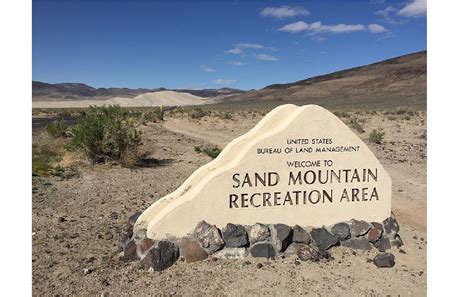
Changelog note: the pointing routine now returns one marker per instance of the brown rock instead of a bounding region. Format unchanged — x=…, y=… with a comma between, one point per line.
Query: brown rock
x=130, y=251
x=192, y=250
x=374, y=234
x=144, y=246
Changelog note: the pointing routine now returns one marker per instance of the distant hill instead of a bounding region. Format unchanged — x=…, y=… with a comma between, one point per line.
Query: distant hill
x=395, y=82
x=166, y=98
x=78, y=91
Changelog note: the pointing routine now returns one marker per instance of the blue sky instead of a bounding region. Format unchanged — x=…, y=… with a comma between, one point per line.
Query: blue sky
x=215, y=44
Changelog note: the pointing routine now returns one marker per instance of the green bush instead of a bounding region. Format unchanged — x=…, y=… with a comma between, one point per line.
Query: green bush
x=43, y=160
x=198, y=113
x=57, y=129
x=341, y=114
x=226, y=116
x=106, y=133
x=376, y=136
x=355, y=124
x=155, y=115
x=212, y=152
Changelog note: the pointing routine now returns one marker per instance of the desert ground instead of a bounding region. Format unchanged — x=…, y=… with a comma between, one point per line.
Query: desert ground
x=78, y=219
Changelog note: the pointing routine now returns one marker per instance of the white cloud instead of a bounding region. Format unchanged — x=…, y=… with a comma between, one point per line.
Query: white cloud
x=295, y=27
x=386, y=12
x=339, y=28
x=236, y=51
x=318, y=27
x=207, y=68
x=236, y=63
x=264, y=57
x=413, y=9
x=224, y=82
x=386, y=15
x=238, y=48
x=249, y=45
x=376, y=28
x=284, y=12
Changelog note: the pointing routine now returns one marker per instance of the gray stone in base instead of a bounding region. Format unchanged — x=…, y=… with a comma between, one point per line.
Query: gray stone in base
x=126, y=237
x=235, y=236
x=358, y=243
x=231, y=253
x=341, y=230
x=386, y=260
x=308, y=253
x=282, y=236
x=383, y=244
x=293, y=248
x=397, y=241
x=259, y=232
x=208, y=236
x=300, y=235
x=359, y=228
x=133, y=219
x=262, y=250
x=390, y=225
x=162, y=256
x=323, y=238
x=140, y=234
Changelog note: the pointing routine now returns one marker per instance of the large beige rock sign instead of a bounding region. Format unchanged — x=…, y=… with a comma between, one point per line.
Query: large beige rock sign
x=297, y=166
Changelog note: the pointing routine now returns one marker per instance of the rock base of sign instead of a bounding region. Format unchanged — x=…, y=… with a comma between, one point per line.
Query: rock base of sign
x=263, y=241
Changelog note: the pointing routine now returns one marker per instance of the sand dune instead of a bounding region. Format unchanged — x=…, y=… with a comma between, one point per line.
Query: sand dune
x=166, y=98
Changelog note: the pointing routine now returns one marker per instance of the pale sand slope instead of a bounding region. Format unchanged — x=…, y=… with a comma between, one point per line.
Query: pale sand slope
x=166, y=98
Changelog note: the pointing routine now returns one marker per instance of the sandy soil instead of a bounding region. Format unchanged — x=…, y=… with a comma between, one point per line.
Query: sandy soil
x=80, y=255
x=167, y=98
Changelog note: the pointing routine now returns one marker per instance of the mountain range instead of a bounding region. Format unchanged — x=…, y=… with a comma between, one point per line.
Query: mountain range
x=399, y=81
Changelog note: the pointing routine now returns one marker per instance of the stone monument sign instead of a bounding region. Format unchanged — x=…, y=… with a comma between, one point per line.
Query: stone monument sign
x=297, y=166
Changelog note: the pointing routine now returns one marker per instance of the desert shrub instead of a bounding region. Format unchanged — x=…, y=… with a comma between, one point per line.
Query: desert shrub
x=57, y=129
x=44, y=159
x=64, y=113
x=376, y=136
x=212, y=152
x=405, y=111
x=198, y=113
x=106, y=133
x=226, y=116
x=355, y=124
x=392, y=118
x=341, y=114
x=155, y=115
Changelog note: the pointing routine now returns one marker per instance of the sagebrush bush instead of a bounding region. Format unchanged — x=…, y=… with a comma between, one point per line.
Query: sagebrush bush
x=198, y=113
x=341, y=114
x=106, y=133
x=356, y=125
x=57, y=129
x=44, y=159
x=154, y=115
x=226, y=116
x=212, y=152
x=376, y=136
